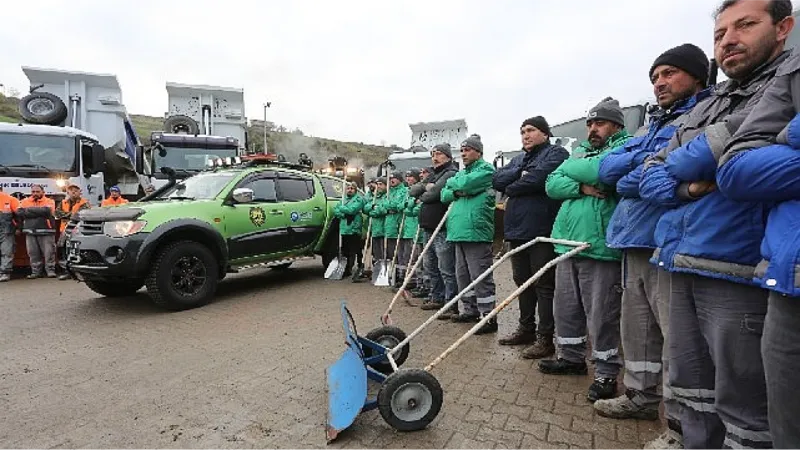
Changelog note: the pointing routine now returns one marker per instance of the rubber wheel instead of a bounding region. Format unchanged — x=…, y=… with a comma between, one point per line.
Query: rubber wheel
x=387, y=336
x=42, y=108
x=120, y=288
x=184, y=275
x=283, y=266
x=410, y=399
x=181, y=124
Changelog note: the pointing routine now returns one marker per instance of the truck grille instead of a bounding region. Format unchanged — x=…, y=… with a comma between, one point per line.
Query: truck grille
x=91, y=227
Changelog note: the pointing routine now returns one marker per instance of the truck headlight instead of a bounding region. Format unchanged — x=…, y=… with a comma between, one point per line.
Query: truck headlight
x=122, y=228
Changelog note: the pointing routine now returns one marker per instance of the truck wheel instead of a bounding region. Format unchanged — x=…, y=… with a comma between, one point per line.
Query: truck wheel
x=183, y=276
x=42, y=108
x=181, y=124
x=122, y=288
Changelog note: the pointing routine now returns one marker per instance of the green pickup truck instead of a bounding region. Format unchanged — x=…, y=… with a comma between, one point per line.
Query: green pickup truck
x=186, y=237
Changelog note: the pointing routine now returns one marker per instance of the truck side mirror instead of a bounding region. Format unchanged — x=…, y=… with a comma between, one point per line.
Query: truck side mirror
x=94, y=157
x=243, y=195
x=162, y=152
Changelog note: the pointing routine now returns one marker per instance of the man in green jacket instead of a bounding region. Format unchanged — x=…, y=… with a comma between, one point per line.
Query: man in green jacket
x=408, y=233
x=348, y=211
x=588, y=286
x=378, y=217
x=392, y=206
x=470, y=227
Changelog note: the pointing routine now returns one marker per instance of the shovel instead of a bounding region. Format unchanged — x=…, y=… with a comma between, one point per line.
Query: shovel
x=393, y=265
x=335, y=270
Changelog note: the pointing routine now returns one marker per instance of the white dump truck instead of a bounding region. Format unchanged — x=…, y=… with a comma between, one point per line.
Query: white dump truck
x=76, y=130
x=202, y=123
x=424, y=136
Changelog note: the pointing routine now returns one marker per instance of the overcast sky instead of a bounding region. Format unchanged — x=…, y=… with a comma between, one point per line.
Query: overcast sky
x=363, y=70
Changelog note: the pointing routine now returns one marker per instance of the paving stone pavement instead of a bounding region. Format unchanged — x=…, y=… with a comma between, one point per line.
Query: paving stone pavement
x=248, y=371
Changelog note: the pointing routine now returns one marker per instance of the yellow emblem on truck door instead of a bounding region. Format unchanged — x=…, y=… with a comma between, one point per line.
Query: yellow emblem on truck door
x=257, y=216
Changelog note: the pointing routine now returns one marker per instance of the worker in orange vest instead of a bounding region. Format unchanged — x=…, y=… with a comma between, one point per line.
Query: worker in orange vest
x=39, y=225
x=114, y=197
x=70, y=207
x=9, y=207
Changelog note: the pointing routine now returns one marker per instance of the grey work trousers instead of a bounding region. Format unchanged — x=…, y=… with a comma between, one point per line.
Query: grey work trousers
x=644, y=325
x=588, y=295
x=780, y=349
x=539, y=295
x=42, y=252
x=378, y=252
x=432, y=274
x=7, y=247
x=716, y=373
x=472, y=259
x=405, y=263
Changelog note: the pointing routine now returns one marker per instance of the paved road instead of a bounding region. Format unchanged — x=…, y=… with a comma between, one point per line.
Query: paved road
x=248, y=370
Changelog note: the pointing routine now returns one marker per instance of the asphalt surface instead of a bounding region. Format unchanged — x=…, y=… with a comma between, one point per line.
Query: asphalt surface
x=248, y=370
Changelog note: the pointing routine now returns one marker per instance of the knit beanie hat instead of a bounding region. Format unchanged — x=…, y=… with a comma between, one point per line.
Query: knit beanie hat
x=397, y=175
x=539, y=123
x=687, y=57
x=608, y=109
x=444, y=149
x=414, y=173
x=473, y=142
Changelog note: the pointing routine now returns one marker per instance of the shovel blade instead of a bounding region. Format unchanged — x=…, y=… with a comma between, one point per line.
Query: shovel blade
x=347, y=391
x=335, y=270
x=382, y=277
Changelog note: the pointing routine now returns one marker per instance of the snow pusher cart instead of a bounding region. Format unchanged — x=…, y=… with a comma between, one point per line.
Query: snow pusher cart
x=408, y=399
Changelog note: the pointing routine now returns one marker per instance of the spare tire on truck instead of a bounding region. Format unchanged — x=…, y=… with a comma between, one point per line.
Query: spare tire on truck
x=42, y=108
x=181, y=124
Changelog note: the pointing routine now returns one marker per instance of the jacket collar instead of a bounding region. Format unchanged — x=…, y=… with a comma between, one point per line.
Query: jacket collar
x=443, y=167
x=755, y=80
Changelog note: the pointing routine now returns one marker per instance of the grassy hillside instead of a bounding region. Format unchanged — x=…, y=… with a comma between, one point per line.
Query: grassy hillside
x=279, y=140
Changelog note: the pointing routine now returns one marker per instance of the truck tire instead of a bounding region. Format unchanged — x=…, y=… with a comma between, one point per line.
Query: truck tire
x=181, y=124
x=115, y=288
x=184, y=275
x=42, y=108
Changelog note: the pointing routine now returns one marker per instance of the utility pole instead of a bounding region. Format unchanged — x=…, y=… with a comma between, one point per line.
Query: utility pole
x=266, y=105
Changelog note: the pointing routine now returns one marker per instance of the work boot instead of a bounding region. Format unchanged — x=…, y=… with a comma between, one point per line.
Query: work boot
x=52, y=275
x=543, y=348
x=64, y=277
x=420, y=293
x=623, y=407
x=519, y=337
x=489, y=327
x=465, y=318
x=562, y=367
x=669, y=439
x=449, y=314
x=34, y=276
x=430, y=305
x=5, y=277
x=602, y=388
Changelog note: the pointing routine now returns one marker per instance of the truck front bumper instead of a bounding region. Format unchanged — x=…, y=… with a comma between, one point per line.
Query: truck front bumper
x=100, y=256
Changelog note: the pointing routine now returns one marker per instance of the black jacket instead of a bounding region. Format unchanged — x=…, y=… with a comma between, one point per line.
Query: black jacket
x=529, y=212
x=433, y=209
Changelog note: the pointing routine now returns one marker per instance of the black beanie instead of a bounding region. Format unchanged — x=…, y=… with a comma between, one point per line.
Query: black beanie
x=608, y=109
x=687, y=57
x=443, y=148
x=473, y=142
x=539, y=123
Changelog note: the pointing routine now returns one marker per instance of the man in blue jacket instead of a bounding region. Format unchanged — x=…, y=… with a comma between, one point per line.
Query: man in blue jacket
x=762, y=164
x=529, y=214
x=710, y=243
x=678, y=76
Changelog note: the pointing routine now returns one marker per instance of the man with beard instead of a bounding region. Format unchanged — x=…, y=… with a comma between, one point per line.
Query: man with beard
x=678, y=76
x=530, y=213
x=710, y=243
x=588, y=291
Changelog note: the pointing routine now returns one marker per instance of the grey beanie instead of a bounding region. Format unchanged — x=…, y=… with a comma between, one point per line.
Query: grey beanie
x=444, y=149
x=473, y=142
x=608, y=109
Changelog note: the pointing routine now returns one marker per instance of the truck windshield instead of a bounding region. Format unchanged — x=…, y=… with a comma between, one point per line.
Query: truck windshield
x=417, y=162
x=572, y=133
x=56, y=153
x=191, y=158
x=201, y=186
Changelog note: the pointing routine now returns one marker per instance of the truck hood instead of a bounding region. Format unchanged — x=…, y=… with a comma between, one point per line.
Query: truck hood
x=124, y=212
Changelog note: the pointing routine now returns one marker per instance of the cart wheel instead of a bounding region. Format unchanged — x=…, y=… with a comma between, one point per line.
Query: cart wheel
x=410, y=399
x=389, y=337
